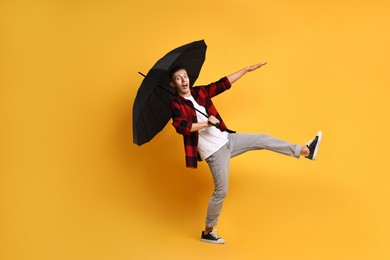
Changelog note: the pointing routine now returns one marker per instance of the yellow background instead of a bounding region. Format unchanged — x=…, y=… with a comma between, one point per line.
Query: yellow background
x=74, y=186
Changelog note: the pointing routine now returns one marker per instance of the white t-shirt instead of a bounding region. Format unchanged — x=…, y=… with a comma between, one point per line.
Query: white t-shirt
x=211, y=139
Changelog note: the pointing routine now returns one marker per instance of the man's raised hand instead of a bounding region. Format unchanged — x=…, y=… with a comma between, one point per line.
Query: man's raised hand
x=237, y=75
x=256, y=66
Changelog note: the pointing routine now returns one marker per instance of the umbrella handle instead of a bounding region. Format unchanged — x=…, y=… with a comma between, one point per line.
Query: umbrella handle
x=213, y=124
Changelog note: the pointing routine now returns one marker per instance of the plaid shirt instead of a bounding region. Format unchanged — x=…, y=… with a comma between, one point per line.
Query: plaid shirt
x=184, y=115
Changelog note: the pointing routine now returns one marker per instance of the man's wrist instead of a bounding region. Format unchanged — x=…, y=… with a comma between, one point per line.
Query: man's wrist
x=209, y=123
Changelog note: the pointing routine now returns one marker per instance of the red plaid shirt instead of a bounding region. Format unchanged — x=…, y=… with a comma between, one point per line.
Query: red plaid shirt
x=184, y=115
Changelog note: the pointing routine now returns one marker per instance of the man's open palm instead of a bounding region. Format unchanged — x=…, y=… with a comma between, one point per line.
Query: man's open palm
x=256, y=66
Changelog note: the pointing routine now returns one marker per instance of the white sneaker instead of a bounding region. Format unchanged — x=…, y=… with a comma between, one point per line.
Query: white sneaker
x=313, y=146
x=212, y=237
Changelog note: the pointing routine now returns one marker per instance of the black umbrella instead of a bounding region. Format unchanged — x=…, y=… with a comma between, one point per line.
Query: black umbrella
x=151, y=110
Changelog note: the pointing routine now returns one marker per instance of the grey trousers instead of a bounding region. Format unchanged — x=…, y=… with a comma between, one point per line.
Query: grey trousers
x=219, y=163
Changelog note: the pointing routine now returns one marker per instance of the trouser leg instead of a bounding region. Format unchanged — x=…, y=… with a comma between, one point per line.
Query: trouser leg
x=241, y=143
x=219, y=163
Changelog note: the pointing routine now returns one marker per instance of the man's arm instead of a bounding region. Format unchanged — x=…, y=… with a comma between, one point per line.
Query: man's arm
x=237, y=75
x=183, y=125
x=211, y=121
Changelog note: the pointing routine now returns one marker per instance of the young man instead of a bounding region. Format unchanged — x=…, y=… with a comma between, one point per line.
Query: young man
x=208, y=138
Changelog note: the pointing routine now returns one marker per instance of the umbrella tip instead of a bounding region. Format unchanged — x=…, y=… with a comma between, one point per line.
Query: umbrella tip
x=141, y=74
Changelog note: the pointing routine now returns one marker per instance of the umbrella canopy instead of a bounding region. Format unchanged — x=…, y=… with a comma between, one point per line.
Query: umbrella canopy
x=151, y=110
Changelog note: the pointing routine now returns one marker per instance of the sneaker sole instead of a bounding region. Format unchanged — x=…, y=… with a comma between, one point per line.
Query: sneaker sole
x=219, y=241
x=319, y=134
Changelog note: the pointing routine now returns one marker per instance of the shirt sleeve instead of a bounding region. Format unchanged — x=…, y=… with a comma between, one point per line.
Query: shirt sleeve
x=180, y=122
x=217, y=87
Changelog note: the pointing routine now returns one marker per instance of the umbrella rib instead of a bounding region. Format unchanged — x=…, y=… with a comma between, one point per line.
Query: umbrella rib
x=156, y=118
x=146, y=131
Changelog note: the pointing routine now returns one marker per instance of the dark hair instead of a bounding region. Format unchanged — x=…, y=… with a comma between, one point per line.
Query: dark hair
x=174, y=70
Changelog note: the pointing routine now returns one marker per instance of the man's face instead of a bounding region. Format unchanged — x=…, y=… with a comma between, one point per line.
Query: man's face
x=181, y=82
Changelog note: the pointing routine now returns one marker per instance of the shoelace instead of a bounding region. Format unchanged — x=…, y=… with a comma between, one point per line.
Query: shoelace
x=311, y=141
x=215, y=235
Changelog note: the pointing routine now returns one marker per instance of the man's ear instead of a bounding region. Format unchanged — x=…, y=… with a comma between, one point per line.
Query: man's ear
x=171, y=84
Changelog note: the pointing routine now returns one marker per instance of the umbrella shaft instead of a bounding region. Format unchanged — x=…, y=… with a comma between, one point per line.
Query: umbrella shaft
x=184, y=102
x=197, y=110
